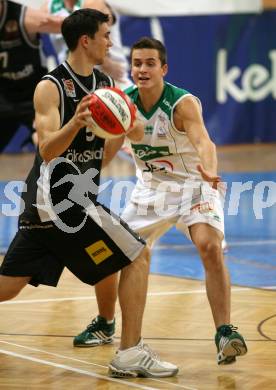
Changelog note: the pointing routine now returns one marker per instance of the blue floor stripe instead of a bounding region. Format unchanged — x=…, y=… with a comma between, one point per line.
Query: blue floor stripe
x=251, y=259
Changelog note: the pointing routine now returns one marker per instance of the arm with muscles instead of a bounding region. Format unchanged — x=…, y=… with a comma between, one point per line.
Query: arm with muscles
x=135, y=133
x=40, y=21
x=53, y=140
x=113, y=68
x=188, y=118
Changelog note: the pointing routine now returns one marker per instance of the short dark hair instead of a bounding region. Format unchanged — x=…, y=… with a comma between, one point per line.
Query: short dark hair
x=85, y=21
x=151, y=43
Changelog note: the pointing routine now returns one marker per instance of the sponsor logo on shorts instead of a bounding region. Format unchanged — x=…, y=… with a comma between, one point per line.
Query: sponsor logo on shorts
x=203, y=207
x=98, y=251
x=206, y=208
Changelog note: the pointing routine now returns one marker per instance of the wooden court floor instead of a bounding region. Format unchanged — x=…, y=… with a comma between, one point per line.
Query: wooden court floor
x=36, y=328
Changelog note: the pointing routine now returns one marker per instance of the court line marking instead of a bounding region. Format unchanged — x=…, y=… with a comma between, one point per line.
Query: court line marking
x=191, y=246
x=77, y=370
x=230, y=244
x=268, y=287
x=153, y=294
x=92, y=364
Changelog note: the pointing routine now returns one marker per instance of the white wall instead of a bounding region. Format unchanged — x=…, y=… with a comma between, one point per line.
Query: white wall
x=175, y=7
x=32, y=3
x=185, y=7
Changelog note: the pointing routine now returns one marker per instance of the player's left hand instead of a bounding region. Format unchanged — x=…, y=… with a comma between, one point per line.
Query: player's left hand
x=136, y=131
x=213, y=179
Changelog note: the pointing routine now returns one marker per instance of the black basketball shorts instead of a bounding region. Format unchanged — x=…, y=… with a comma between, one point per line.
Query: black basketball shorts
x=94, y=252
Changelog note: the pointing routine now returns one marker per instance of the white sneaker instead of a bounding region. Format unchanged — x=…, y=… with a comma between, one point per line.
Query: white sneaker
x=140, y=361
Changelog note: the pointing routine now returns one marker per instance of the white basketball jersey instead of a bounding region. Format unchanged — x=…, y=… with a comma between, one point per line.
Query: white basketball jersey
x=164, y=154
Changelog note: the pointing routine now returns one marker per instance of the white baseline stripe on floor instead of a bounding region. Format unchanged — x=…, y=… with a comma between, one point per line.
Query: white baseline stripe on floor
x=154, y=294
x=93, y=364
x=77, y=370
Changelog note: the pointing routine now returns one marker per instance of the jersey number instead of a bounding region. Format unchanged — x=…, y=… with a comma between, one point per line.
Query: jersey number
x=3, y=59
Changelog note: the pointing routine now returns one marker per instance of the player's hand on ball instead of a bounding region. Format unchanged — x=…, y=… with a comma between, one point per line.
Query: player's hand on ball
x=82, y=114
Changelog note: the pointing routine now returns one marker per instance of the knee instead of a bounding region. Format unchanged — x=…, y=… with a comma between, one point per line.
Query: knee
x=211, y=253
x=7, y=295
x=143, y=257
x=146, y=253
x=7, y=290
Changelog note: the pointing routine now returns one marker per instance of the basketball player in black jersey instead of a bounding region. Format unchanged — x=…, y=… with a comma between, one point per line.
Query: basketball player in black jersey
x=63, y=225
x=20, y=64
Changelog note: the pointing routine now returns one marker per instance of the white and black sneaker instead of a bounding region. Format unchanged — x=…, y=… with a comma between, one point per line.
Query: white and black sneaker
x=140, y=361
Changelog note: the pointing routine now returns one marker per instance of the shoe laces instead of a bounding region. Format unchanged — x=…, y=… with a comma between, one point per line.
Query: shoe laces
x=94, y=325
x=226, y=330
x=152, y=354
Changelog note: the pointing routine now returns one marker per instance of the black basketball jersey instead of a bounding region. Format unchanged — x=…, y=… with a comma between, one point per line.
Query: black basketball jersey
x=76, y=173
x=20, y=59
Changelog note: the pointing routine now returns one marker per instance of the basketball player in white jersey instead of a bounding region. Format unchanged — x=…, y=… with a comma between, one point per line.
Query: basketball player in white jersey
x=176, y=168
x=115, y=64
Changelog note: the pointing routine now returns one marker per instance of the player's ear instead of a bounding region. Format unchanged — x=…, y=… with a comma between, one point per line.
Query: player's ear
x=84, y=40
x=131, y=70
x=165, y=69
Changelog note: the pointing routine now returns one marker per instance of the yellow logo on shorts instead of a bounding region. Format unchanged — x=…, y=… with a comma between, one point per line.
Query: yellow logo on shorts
x=98, y=251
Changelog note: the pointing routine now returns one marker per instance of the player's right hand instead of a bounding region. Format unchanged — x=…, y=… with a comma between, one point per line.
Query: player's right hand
x=82, y=115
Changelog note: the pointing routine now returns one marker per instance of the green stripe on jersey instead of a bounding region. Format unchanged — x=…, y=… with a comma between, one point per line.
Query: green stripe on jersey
x=169, y=97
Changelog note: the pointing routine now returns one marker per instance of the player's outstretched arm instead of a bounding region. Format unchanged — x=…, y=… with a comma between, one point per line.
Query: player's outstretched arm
x=111, y=147
x=39, y=21
x=136, y=131
x=188, y=118
x=100, y=5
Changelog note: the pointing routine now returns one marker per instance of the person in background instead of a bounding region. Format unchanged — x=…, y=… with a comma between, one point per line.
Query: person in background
x=115, y=63
x=21, y=64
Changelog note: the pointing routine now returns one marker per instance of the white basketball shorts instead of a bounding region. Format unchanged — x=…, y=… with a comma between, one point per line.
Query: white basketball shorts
x=151, y=212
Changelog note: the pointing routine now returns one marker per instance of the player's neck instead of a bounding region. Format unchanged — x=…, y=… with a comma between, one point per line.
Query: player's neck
x=80, y=66
x=149, y=97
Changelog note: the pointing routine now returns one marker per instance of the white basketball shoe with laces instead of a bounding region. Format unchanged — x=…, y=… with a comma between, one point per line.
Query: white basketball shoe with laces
x=140, y=361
